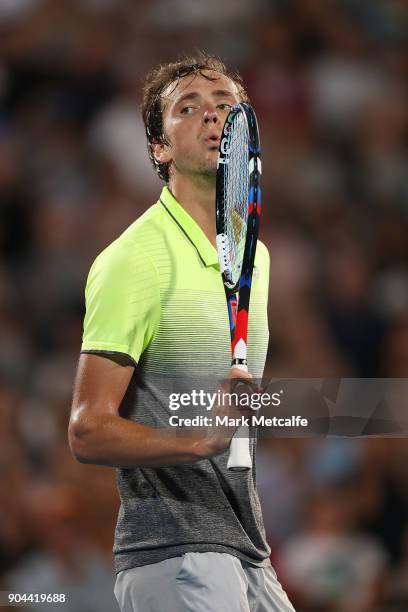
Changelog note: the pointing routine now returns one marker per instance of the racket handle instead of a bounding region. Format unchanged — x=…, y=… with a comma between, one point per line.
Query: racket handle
x=239, y=459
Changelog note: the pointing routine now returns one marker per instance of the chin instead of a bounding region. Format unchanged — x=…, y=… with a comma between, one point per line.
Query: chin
x=206, y=168
x=211, y=165
x=210, y=171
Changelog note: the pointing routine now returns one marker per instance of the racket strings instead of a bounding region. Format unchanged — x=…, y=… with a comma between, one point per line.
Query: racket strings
x=236, y=186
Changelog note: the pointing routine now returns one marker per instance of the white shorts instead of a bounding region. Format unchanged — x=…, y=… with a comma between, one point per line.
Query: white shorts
x=201, y=582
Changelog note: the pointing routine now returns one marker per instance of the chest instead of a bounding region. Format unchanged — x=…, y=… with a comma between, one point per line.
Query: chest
x=193, y=332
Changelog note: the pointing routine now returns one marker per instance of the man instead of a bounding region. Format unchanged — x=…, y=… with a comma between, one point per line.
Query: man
x=189, y=534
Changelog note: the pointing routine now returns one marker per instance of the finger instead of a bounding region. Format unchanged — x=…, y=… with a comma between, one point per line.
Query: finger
x=238, y=373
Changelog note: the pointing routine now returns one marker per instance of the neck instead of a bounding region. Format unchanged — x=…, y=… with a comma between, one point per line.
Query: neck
x=197, y=196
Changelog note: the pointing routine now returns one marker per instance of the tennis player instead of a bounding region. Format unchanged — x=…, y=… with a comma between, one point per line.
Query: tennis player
x=189, y=535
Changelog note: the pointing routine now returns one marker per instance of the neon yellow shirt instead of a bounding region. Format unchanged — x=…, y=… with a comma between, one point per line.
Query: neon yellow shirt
x=156, y=295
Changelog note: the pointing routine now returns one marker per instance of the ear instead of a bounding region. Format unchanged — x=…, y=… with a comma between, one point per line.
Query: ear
x=161, y=152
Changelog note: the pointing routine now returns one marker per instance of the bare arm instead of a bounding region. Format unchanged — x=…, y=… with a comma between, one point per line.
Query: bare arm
x=98, y=434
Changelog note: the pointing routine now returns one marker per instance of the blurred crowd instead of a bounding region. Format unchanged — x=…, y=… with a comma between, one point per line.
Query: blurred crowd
x=329, y=82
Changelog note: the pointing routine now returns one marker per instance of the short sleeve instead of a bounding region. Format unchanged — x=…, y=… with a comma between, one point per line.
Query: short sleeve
x=122, y=302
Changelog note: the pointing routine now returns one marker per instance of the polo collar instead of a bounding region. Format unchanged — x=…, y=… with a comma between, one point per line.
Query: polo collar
x=191, y=229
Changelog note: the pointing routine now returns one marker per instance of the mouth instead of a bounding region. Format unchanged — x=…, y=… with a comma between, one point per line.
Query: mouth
x=212, y=140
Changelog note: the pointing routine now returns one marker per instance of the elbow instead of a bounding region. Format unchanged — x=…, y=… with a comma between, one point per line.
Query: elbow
x=80, y=440
x=81, y=456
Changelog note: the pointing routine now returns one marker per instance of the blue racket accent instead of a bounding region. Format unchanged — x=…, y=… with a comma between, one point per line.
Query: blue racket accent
x=245, y=281
x=232, y=304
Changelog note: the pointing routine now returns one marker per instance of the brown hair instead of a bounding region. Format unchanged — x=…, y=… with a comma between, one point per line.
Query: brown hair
x=157, y=81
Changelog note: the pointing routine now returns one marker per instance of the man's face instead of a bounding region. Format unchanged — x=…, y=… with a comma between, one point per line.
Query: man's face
x=193, y=116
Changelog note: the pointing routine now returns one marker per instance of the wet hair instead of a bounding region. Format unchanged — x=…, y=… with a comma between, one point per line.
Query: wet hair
x=159, y=79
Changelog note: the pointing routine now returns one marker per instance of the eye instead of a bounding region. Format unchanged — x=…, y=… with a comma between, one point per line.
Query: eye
x=187, y=110
x=224, y=106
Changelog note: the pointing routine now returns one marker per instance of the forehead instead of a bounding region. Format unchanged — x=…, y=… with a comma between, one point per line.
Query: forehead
x=199, y=84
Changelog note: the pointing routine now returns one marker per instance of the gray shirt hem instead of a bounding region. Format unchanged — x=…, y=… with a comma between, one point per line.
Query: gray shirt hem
x=128, y=560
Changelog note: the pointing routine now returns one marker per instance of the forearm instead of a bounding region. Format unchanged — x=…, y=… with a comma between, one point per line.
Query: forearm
x=116, y=442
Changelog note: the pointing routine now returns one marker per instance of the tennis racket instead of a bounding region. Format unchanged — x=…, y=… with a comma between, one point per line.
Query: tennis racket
x=238, y=207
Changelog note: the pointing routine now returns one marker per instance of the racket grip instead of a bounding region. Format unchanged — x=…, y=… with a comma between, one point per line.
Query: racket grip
x=239, y=459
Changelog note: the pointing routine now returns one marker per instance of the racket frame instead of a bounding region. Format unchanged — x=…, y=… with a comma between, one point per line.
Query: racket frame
x=238, y=294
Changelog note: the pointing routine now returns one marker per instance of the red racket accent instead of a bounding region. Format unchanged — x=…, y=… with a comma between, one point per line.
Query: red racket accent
x=241, y=328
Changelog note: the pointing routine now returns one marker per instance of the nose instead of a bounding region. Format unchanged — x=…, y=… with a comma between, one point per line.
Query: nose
x=210, y=116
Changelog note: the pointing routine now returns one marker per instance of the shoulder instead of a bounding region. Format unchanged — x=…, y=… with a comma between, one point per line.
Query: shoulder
x=146, y=228
x=134, y=240
x=128, y=255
